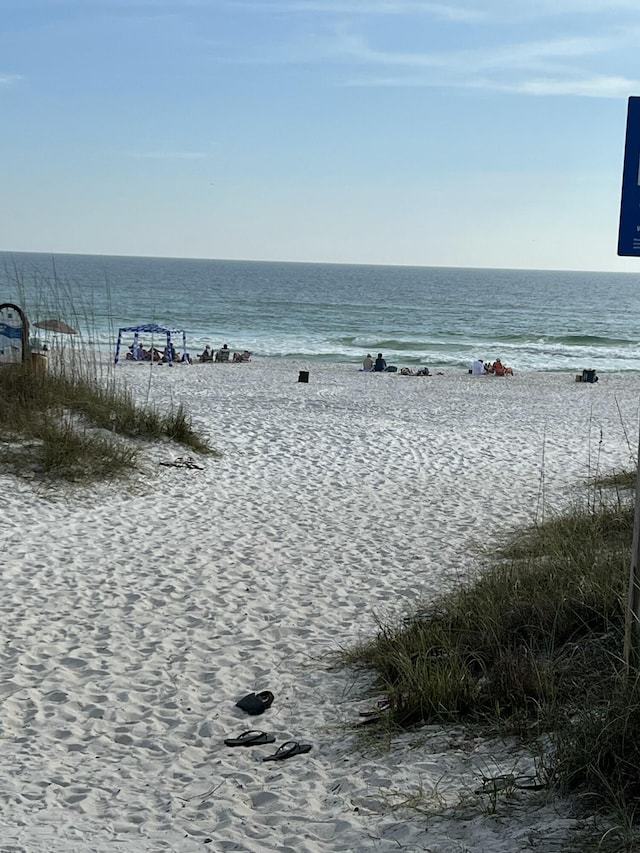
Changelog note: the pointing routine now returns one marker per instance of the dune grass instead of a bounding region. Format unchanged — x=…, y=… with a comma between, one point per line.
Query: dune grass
x=533, y=645
x=65, y=424
x=72, y=420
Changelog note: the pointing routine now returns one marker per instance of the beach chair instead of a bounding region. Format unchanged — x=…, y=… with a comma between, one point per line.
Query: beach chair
x=222, y=354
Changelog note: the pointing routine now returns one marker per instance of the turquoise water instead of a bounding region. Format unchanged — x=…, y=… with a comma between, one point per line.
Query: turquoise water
x=440, y=317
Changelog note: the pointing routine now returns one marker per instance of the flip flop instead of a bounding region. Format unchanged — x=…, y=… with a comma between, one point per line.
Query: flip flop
x=250, y=738
x=255, y=703
x=184, y=462
x=287, y=749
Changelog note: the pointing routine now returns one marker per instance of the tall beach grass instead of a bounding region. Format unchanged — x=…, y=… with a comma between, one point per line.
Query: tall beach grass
x=533, y=646
x=68, y=426
x=64, y=415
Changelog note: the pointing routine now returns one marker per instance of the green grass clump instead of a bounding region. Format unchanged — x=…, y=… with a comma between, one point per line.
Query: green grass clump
x=495, y=646
x=532, y=645
x=114, y=409
x=67, y=453
x=66, y=425
x=619, y=480
x=598, y=753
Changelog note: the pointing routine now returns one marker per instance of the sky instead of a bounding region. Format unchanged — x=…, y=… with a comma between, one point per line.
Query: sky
x=472, y=133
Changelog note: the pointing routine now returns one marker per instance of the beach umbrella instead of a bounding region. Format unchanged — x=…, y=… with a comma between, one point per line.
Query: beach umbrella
x=56, y=326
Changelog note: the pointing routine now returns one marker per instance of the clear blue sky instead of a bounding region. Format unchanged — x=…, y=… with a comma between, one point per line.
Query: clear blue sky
x=464, y=133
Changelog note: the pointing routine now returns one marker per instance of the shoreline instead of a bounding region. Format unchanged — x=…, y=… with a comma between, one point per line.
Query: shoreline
x=137, y=614
x=105, y=355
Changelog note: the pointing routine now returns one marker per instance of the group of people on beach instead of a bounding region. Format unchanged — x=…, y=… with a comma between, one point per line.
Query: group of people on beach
x=223, y=355
x=479, y=367
x=483, y=368
x=380, y=366
x=168, y=354
x=371, y=366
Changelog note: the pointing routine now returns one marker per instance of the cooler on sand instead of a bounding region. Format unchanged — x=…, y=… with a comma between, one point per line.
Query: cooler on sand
x=587, y=376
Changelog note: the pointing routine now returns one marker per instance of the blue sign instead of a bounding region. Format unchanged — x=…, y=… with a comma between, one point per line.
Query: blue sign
x=14, y=334
x=629, y=233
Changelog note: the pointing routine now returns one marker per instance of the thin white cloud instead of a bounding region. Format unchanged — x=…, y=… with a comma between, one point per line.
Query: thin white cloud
x=453, y=11
x=445, y=11
x=9, y=79
x=467, y=10
x=524, y=54
x=534, y=52
x=553, y=8
x=589, y=87
x=344, y=46
x=167, y=155
x=538, y=67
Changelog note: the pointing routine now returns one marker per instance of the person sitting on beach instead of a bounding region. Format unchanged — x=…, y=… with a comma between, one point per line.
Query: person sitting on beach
x=170, y=354
x=205, y=355
x=242, y=356
x=223, y=354
x=477, y=368
x=367, y=363
x=498, y=367
x=380, y=364
x=423, y=371
x=137, y=353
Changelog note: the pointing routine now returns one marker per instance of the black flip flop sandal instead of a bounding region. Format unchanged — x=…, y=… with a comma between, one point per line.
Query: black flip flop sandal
x=250, y=738
x=288, y=749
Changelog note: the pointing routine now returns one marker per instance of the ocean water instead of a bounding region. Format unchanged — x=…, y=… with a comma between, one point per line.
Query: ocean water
x=439, y=317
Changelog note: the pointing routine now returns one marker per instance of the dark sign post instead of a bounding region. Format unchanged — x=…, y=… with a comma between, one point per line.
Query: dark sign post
x=629, y=245
x=629, y=233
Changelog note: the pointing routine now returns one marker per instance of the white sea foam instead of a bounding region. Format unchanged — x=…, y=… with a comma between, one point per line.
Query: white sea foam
x=136, y=615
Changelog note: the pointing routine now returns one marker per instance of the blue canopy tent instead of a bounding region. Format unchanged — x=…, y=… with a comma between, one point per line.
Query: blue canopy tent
x=150, y=329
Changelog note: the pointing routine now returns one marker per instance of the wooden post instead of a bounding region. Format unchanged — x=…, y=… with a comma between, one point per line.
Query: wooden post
x=632, y=616
x=629, y=246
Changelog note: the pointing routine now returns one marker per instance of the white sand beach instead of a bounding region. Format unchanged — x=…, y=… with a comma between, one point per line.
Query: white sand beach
x=135, y=615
